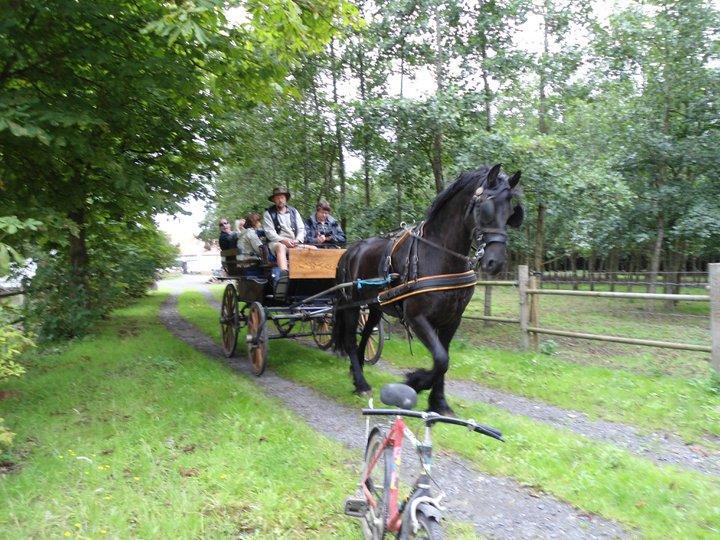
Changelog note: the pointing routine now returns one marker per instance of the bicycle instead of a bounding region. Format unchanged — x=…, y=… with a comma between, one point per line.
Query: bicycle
x=418, y=516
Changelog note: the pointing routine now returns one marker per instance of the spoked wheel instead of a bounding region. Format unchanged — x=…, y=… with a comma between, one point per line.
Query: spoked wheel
x=321, y=329
x=378, y=484
x=376, y=341
x=257, y=338
x=229, y=320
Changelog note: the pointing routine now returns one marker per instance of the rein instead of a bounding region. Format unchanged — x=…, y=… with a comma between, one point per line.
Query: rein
x=442, y=282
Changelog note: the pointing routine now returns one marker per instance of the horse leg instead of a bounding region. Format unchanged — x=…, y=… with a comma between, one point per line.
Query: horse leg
x=437, y=400
x=351, y=317
x=372, y=321
x=425, y=379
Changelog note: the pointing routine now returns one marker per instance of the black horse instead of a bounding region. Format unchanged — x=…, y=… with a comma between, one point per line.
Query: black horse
x=475, y=207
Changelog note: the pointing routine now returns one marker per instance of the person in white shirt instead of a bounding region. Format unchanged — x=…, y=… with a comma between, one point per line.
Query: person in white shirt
x=284, y=228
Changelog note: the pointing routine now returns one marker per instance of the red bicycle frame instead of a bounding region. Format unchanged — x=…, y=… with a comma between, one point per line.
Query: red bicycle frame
x=394, y=439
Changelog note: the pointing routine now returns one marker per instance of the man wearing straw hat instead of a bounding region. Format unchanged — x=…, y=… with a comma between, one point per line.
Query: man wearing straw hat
x=283, y=226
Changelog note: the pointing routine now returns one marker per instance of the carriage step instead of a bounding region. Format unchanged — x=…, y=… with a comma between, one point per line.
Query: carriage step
x=281, y=287
x=356, y=507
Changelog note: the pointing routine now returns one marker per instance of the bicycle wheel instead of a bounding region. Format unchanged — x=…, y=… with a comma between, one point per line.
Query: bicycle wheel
x=377, y=483
x=429, y=529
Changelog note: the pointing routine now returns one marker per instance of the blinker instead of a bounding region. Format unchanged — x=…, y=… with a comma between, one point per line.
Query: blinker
x=487, y=211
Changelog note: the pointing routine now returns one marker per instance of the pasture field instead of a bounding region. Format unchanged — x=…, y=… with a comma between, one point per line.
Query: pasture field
x=656, y=501
x=688, y=322
x=130, y=433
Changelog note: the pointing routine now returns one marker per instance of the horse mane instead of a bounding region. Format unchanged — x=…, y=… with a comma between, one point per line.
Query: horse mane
x=465, y=179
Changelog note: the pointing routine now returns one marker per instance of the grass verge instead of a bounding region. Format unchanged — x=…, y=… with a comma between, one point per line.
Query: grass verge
x=599, y=478
x=688, y=407
x=131, y=433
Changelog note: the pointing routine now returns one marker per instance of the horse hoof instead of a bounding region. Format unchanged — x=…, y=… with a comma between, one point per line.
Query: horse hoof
x=444, y=411
x=363, y=393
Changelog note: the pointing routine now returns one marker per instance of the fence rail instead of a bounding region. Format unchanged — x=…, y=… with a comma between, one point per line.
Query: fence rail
x=530, y=289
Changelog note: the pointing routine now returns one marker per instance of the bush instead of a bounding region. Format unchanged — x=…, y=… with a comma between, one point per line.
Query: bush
x=123, y=262
x=12, y=344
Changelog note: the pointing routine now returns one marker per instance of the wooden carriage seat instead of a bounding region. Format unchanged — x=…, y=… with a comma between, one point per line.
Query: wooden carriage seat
x=313, y=263
x=230, y=262
x=234, y=268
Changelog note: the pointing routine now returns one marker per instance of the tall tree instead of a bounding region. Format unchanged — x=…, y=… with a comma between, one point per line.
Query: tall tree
x=99, y=101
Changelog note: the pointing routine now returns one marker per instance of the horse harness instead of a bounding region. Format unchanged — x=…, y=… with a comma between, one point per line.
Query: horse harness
x=410, y=284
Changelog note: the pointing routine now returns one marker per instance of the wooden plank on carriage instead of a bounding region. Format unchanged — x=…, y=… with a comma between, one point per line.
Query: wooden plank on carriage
x=314, y=263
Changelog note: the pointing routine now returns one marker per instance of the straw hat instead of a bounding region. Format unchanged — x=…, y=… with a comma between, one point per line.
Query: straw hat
x=280, y=191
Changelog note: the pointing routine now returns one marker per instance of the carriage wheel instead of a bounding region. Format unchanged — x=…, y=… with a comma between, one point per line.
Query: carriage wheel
x=257, y=338
x=376, y=341
x=321, y=329
x=229, y=320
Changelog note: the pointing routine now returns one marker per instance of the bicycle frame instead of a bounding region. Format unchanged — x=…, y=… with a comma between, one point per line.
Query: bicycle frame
x=395, y=438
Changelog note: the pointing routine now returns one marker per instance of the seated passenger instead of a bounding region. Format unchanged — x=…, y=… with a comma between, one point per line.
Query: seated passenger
x=249, y=239
x=229, y=238
x=283, y=226
x=322, y=230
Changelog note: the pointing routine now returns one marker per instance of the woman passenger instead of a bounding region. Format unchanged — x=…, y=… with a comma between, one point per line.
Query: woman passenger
x=249, y=239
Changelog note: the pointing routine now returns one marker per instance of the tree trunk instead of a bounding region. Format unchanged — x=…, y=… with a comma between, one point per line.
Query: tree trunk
x=79, y=258
x=398, y=168
x=542, y=106
x=78, y=247
x=319, y=121
x=487, y=93
x=338, y=136
x=436, y=160
x=365, y=130
x=613, y=267
x=655, y=258
x=539, y=238
x=573, y=270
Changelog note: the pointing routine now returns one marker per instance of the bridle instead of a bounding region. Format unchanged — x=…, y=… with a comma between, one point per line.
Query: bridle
x=482, y=236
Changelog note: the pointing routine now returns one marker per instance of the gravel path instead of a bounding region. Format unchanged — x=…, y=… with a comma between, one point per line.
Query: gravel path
x=659, y=447
x=662, y=448
x=498, y=507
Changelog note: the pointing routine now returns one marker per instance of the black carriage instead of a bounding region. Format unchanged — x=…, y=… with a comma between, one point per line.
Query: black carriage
x=271, y=309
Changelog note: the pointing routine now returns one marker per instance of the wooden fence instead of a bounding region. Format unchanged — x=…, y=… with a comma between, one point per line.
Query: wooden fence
x=529, y=290
x=670, y=282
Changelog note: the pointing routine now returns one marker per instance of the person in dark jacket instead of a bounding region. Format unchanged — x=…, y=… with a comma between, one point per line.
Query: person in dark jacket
x=322, y=230
x=229, y=238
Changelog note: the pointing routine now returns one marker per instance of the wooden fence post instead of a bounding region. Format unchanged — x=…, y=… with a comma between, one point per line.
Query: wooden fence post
x=534, y=283
x=523, y=276
x=487, y=305
x=714, y=282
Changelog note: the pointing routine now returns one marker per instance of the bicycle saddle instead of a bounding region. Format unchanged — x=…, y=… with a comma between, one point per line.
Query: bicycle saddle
x=398, y=395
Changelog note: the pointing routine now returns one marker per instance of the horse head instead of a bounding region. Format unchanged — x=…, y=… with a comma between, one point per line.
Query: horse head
x=490, y=213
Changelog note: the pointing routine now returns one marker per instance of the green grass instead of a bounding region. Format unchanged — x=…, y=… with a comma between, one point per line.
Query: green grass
x=656, y=501
x=688, y=407
x=131, y=433
x=687, y=323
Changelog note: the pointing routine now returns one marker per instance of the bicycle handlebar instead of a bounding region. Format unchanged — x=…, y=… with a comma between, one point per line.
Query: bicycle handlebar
x=431, y=418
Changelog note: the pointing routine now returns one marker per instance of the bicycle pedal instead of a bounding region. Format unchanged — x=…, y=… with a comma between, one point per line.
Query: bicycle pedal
x=356, y=507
